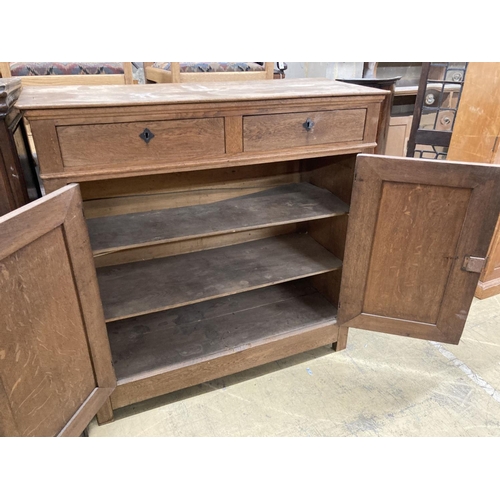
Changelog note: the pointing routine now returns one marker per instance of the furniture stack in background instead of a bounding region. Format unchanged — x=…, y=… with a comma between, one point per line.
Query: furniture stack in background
x=192, y=72
x=69, y=73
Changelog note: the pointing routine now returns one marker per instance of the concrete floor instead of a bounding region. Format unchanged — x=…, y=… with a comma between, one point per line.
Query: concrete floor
x=381, y=385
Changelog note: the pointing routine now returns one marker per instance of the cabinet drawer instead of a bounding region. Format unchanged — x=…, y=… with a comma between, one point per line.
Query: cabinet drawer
x=290, y=130
x=121, y=143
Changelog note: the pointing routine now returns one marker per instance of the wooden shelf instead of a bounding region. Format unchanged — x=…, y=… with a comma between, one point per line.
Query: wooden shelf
x=157, y=343
x=280, y=205
x=148, y=286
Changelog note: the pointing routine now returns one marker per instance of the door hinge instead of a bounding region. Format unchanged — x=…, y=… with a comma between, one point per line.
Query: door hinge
x=473, y=264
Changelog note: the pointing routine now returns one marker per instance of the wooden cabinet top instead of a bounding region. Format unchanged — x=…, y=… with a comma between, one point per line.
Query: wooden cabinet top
x=137, y=95
x=85, y=133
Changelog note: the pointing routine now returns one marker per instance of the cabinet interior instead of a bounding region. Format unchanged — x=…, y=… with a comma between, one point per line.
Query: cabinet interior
x=193, y=266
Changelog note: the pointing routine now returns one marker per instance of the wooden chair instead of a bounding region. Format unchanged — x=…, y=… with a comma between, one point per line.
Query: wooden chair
x=69, y=73
x=181, y=72
x=66, y=73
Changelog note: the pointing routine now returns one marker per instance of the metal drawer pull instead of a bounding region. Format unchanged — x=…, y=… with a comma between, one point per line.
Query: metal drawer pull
x=146, y=135
x=308, y=124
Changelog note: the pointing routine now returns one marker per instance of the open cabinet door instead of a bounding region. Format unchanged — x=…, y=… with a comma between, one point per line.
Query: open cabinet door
x=55, y=360
x=418, y=234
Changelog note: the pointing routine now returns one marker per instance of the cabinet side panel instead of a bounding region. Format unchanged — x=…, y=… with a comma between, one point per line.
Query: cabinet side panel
x=477, y=127
x=492, y=269
x=335, y=174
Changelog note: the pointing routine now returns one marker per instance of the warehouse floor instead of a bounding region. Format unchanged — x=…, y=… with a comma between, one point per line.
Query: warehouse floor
x=381, y=385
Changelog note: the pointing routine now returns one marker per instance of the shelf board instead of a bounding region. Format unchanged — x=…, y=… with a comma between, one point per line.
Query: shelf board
x=280, y=205
x=157, y=343
x=148, y=286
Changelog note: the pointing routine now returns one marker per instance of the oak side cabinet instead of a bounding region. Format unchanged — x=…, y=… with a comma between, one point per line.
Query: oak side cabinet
x=194, y=231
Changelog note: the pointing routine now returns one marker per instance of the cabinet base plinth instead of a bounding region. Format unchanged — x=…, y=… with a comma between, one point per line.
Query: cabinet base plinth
x=486, y=289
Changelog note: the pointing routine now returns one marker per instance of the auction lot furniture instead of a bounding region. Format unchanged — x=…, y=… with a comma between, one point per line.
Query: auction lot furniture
x=221, y=228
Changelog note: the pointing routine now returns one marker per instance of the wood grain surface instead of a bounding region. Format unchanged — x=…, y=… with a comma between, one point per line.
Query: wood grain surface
x=281, y=131
x=412, y=223
x=182, y=189
x=476, y=137
x=55, y=361
x=46, y=366
x=143, y=287
x=274, y=348
x=167, y=351
x=58, y=179
x=489, y=282
x=271, y=207
x=410, y=263
x=139, y=95
x=163, y=341
x=477, y=126
x=121, y=144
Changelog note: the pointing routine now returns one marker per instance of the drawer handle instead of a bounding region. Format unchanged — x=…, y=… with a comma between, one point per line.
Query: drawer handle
x=146, y=135
x=308, y=124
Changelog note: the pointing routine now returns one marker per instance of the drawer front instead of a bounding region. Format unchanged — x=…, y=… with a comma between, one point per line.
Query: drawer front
x=291, y=130
x=121, y=143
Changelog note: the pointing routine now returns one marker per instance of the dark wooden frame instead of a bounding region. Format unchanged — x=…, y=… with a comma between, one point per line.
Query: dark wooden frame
x=14, y=179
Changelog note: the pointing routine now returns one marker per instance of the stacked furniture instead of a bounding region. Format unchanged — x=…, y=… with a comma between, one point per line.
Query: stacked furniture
x=18, y=180
x=69, y=73
x=188, y=72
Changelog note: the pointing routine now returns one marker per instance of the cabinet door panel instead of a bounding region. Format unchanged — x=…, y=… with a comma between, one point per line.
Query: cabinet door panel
x=55, y=362
x=411, y=226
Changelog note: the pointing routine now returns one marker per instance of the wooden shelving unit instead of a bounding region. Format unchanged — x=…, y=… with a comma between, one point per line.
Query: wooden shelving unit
x=190, y=289
x=232, y=225
x=271, y=207
x=170, y=344
x=154, y=285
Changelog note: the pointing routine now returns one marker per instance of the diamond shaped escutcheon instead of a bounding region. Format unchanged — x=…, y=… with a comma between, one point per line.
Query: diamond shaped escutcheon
x=146, y=135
